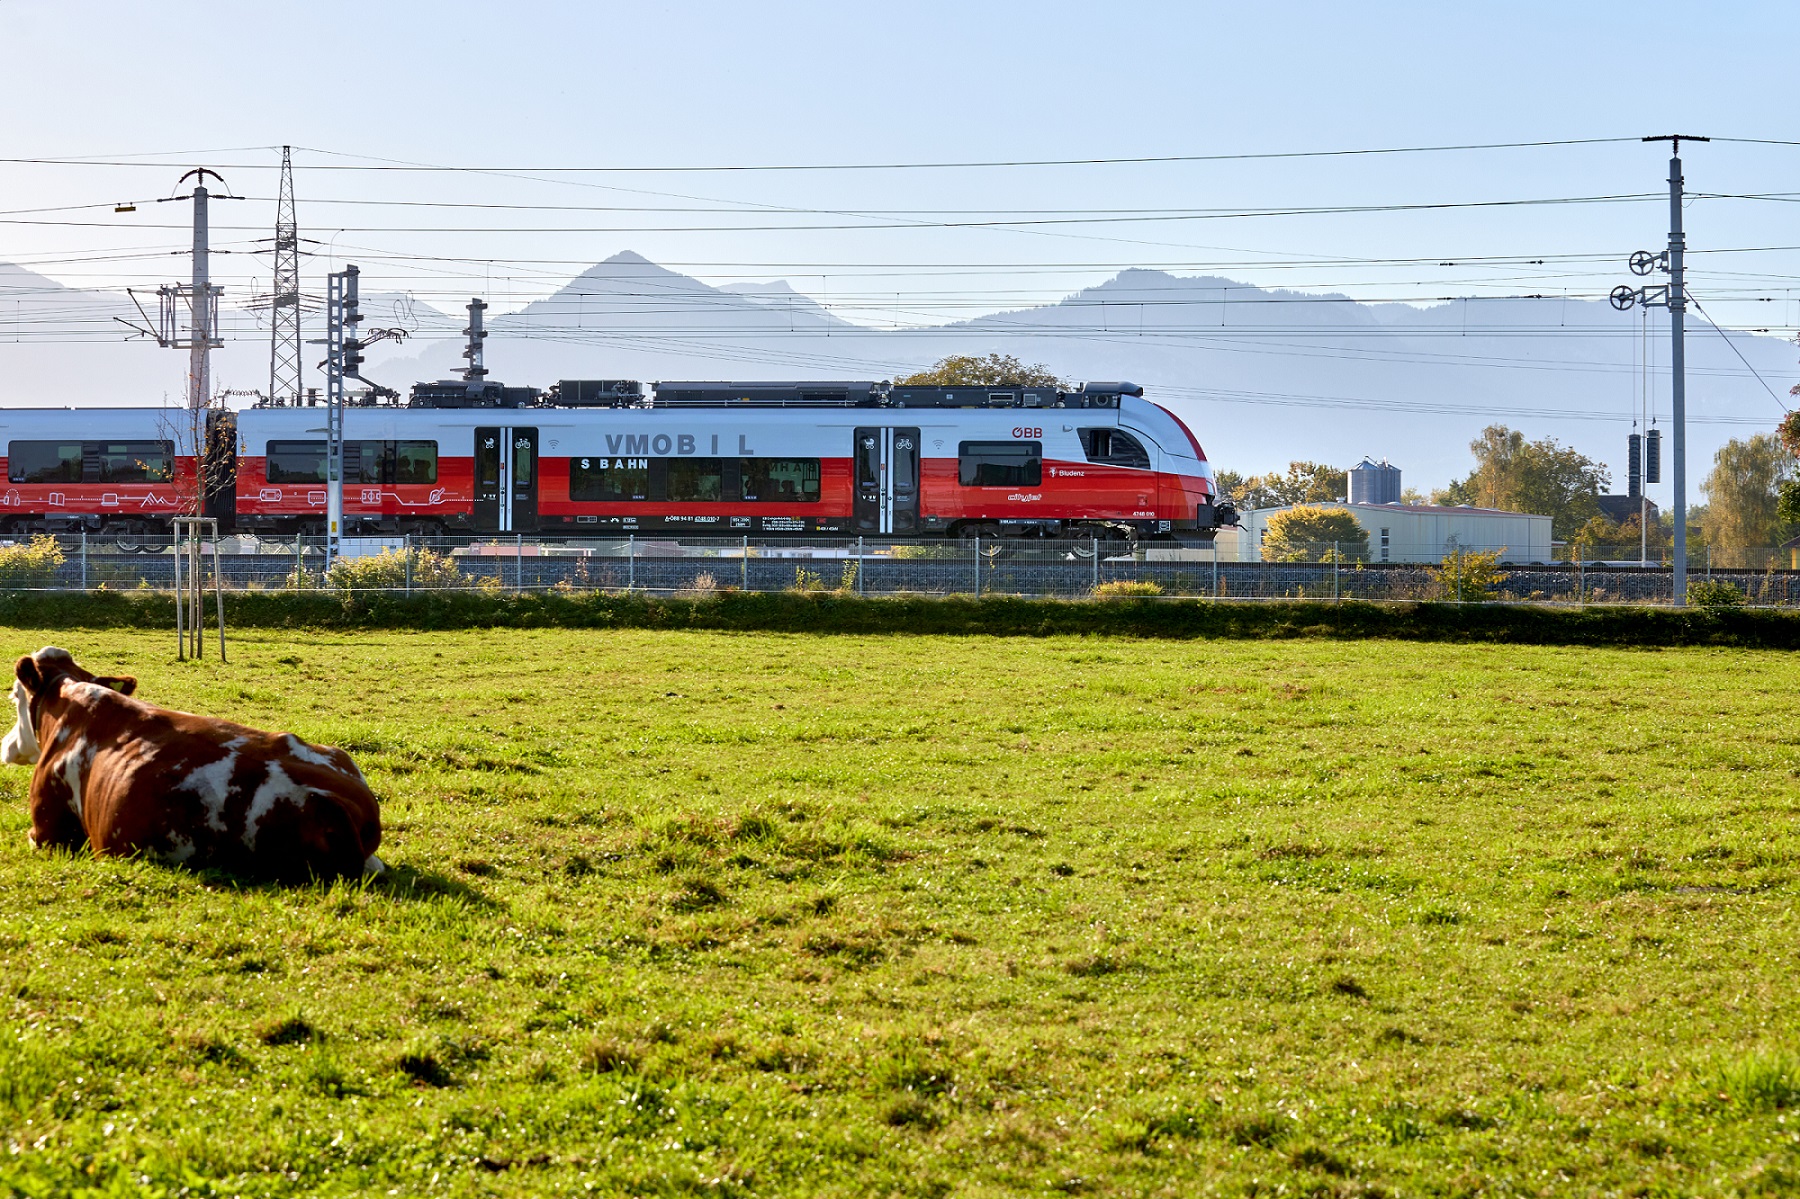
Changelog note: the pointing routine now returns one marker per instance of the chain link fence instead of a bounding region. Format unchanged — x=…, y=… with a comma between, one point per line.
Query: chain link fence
x=1032, y=568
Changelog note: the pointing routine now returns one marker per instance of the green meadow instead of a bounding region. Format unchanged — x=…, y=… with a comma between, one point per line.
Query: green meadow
x=774, y=915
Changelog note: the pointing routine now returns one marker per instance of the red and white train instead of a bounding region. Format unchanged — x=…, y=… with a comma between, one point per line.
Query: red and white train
x=603, y=458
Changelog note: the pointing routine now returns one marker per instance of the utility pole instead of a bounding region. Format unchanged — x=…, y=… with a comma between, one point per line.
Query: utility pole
x=344, y=346
x=1674, y=298
x=343, y=360
x=188, y=319
x=284, y=309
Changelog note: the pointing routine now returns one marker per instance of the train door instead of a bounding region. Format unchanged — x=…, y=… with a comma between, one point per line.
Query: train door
x=887, y=480
x=506, y=479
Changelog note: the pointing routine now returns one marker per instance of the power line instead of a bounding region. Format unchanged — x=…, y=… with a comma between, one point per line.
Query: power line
x=380, y=164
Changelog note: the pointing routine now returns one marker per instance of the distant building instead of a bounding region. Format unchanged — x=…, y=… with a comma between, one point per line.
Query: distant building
x=1422, y=532
x=1617, y=508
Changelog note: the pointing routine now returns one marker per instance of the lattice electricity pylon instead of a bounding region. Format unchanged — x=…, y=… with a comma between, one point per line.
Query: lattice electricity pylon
x=284, y=304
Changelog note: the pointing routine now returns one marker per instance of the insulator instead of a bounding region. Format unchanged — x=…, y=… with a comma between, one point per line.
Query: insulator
x=1653, y=457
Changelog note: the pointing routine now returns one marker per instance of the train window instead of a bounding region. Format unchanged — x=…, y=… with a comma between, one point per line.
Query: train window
x=1000, y=463
x=783, y=480
x=295, y=461
x=595, y=480
x=699, y=480
x=137, y=461
x=43, y=461
x=415, y=461
x=524, y=455
x=365, y=462
x=1114, y=447
x=868, y=461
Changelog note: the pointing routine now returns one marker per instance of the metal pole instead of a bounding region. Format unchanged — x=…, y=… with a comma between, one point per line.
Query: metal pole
x=199, y=350
x=1334, y=572
x=1678, y=370
x=744, y=565
x=406, y=549
x=1215, y=564
x=978, y=566
x=859, y=565
x=84, y=585
x=1096, y=547
x=1459, y=574
x=519, y=565
x=631, y=562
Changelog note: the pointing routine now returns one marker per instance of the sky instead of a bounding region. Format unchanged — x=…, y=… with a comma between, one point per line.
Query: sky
x=517, y=97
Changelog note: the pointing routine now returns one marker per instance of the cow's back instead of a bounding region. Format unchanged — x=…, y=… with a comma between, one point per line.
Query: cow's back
x=203, y=792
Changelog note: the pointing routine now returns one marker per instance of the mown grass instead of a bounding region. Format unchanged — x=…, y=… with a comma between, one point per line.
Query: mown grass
x=777, y=915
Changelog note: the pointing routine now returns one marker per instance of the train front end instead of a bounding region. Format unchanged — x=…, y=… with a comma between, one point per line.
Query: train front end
x=1189, y=507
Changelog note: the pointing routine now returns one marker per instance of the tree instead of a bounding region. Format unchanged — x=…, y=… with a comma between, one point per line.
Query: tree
x=1311, y=533
x=1788, y=507
x=1304, y=483
x=1743, y=495
x=1542, y=477
x=995, y=370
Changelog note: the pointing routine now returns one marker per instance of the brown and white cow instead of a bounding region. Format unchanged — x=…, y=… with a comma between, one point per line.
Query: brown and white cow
x=127, y=777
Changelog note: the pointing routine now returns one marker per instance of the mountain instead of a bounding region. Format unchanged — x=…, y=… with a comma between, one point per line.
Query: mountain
x=1261, y=375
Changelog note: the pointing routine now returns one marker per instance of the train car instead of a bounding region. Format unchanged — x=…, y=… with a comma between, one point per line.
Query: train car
x=123, y=471
x=605, y=458
x=730, y=459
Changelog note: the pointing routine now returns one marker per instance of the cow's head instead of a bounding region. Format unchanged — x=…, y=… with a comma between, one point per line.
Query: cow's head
x=35, y=676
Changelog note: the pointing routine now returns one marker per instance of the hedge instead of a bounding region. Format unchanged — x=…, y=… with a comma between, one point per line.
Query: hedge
x=829, y=613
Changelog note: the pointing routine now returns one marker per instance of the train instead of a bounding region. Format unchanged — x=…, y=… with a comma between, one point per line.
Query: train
x=613, y=458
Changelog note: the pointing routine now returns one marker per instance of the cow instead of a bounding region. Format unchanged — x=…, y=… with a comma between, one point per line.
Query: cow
x=127, y=777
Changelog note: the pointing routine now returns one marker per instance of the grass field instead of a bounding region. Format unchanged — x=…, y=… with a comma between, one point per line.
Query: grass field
x=786, y=915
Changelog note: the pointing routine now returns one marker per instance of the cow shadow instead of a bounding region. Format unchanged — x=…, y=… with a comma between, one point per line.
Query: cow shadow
x=415, y=883
x=396, y=882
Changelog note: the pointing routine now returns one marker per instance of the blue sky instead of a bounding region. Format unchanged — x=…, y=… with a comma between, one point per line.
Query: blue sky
x=704, y=84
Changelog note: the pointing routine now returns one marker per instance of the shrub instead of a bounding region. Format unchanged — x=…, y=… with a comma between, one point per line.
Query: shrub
x=704, y=586
x=1314, y=533
x=1475, y=575
x=387, y=571
x=1710, y=593
x=807, y=581
x=1124, y=588
x=33, y=564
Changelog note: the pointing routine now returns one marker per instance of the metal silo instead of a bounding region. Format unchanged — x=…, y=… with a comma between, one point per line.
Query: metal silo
x=1374, y=483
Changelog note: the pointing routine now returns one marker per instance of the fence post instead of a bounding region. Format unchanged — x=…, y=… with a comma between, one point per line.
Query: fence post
x=859, y=565
x=1095, y=543
x=1581, y=582
x=1215, y=564
x=219, y=590
x=519, y=563
x=180, y=628
x=406, y=552
x=631, y=562
x=978, y=566
x=744, y=565
x=1458, y=552
x=84, y=585
x=1334, y=572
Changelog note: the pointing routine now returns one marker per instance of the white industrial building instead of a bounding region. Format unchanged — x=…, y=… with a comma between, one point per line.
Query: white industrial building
x=1416, y=532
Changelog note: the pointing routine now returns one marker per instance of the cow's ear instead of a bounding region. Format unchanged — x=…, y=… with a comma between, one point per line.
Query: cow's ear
x=124, y=684
x=28, y=673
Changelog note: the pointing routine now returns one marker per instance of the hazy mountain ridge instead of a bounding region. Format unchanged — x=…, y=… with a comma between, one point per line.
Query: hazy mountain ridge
x=1262, y=374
